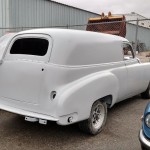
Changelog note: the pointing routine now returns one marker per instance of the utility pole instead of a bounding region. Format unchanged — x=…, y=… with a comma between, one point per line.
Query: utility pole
x=136, y=35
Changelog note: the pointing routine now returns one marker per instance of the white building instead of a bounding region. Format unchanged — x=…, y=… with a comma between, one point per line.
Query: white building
x=143, y=31
x=24, y=14
x=17, y=15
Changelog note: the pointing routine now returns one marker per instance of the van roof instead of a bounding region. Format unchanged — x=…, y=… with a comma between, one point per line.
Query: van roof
x=53, y=32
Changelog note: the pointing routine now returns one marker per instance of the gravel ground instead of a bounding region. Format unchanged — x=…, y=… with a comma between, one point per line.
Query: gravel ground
x=120, y=133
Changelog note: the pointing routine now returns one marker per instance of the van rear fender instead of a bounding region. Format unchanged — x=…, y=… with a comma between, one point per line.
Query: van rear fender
x=78, y=96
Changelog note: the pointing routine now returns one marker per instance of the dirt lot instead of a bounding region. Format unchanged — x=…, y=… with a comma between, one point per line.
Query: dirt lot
x=120, y=133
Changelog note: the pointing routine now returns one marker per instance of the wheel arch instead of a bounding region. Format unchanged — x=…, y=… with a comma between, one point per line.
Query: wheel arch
x=108, y=99
x=80, y=96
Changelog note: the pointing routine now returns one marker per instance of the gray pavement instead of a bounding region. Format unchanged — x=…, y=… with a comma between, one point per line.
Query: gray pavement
x=120, y=133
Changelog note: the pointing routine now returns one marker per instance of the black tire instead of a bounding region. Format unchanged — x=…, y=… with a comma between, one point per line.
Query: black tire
x=146, y=94
x=97, y=119
x=143, y=148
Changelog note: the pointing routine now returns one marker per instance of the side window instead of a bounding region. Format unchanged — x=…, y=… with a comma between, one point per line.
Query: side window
x=30, y=46
x=127, y=51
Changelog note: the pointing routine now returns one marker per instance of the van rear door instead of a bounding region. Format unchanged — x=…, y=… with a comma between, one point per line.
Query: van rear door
x=23, y=67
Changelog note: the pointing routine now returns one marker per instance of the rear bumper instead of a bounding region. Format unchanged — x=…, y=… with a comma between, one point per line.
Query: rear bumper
x=27, y=113
x=144, y=142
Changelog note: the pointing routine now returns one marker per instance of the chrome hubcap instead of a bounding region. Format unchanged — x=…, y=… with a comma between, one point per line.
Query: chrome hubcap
x=98, y=116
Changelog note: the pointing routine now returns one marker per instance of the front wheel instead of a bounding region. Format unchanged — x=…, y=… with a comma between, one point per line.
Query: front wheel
x=97, y=119
x=146, y=94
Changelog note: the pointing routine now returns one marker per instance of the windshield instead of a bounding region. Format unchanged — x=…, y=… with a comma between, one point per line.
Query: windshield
x=4, y=40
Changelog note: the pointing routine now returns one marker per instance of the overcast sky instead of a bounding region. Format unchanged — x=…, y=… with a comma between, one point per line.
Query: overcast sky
x=115, y=6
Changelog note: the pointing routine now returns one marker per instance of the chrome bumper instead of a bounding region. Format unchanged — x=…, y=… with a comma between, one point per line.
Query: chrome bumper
x=143, y=140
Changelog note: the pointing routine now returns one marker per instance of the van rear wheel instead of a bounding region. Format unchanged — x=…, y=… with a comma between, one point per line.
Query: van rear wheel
x=97, y=119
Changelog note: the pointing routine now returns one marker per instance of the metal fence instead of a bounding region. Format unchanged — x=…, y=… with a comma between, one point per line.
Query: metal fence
x=136, y=31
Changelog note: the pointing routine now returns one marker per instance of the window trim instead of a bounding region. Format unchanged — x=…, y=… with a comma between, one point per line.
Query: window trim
x=45, y=58
x=26, y=53
x=132, y=51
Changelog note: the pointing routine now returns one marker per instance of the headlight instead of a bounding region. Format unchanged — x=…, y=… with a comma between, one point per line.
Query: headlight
x=147, y=120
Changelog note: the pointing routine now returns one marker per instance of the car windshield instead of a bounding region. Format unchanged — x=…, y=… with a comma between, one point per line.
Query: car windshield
x=4, y=40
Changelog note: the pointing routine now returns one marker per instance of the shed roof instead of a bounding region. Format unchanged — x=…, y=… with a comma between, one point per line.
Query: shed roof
x=145, y=22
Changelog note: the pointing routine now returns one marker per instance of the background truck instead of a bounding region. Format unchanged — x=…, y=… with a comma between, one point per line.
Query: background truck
x=115, y=25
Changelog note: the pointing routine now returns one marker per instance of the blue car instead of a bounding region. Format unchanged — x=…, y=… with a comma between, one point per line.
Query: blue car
x=144, y=135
